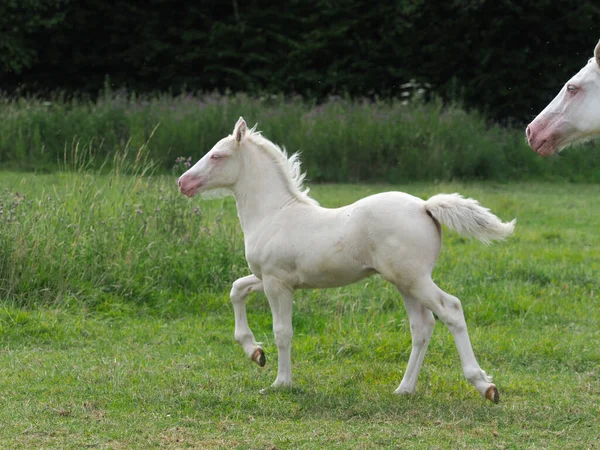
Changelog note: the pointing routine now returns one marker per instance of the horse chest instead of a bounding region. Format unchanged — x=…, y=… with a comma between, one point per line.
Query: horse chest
x=257, y=258
x=272, y=258
x=254, y=265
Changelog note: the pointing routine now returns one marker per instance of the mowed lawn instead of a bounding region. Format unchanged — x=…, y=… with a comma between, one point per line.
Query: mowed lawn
x=116, y=329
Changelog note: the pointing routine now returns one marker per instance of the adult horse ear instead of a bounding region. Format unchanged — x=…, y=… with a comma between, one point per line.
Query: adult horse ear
x=240, y=130
x=597, y=53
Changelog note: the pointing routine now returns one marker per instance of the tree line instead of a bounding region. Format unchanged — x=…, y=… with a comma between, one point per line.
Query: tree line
x=506, y=58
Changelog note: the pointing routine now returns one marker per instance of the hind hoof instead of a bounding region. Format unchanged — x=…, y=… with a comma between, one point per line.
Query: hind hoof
x=492, y=394
x=259, y=357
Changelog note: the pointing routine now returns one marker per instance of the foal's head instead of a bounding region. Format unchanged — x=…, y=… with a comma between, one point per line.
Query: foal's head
x=574, y=114
x=219, y=168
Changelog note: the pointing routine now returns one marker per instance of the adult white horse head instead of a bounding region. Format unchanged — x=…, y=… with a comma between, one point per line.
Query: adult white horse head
x=574, y=114
x=293, y=243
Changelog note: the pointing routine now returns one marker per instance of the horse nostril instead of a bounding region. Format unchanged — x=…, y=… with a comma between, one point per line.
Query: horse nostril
x=178, y=182
x=528, y=132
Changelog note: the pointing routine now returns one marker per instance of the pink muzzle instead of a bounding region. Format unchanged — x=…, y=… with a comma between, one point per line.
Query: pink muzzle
x=189, y=184
x=540, y=140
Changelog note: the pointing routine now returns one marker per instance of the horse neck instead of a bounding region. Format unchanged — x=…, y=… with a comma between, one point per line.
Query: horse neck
x=260, y=190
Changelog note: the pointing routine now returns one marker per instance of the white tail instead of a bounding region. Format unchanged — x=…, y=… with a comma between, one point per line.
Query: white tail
x=468, y=218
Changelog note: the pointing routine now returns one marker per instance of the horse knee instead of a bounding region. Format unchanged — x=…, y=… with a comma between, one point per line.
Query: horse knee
x=237, y=293
x=283, y=334
x=242, y=287
x=234, y=293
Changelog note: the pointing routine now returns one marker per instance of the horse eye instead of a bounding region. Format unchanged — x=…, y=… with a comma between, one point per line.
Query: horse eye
x=215, y=157
x=572, y=88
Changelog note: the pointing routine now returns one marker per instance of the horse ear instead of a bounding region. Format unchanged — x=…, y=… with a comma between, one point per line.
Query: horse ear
x=597, y=53
x=240, y=130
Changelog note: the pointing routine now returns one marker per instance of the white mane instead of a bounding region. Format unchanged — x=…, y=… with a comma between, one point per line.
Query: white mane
x=290, y=166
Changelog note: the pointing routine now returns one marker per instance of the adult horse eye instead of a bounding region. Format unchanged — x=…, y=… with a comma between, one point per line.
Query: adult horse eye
x=571, y=88
x=215, y=157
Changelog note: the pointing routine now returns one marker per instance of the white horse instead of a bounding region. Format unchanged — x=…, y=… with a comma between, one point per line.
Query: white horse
x=574, y=114
x=292, y=243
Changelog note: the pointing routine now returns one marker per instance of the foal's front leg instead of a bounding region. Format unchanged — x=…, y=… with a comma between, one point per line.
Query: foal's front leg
x=241, y=288
x=281, y=299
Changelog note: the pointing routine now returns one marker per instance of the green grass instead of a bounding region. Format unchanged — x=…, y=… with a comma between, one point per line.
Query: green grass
x=340, y=140
x=116, y=329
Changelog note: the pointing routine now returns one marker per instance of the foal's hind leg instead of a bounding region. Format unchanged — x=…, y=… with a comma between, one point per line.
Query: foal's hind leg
x=449, y=309
x=239, y=291
x=421, y=326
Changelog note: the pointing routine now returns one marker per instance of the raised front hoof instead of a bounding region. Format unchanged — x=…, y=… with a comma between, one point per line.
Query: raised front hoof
x=259, y=357
x=492, y=394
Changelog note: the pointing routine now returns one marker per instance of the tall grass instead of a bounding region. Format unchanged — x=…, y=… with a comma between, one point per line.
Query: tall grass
x=341, y=140
x=155, y=364
x=101, y=239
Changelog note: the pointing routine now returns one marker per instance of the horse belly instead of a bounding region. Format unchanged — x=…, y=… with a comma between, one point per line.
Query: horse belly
x=309, y=253
x=332, y=279
x=331, y=270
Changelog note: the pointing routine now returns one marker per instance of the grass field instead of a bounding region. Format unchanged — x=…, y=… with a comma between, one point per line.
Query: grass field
x=341, y=139
x=116, y=329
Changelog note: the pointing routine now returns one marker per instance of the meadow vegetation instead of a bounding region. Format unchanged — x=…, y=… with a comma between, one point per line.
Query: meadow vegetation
x=341, y=140
x=116, y=329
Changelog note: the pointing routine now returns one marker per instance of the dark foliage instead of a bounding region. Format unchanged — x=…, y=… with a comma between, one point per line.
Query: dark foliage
x=505, y=57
